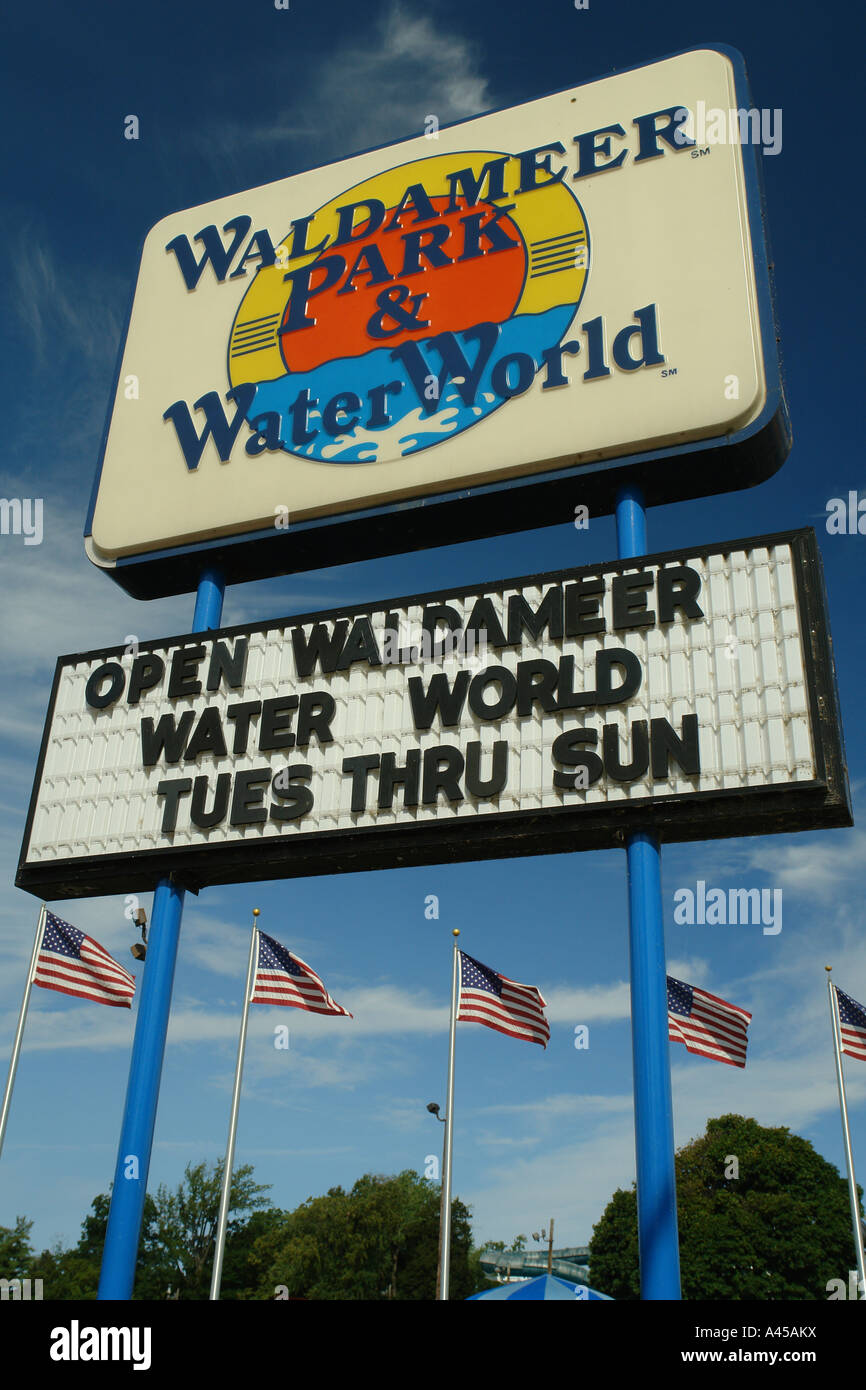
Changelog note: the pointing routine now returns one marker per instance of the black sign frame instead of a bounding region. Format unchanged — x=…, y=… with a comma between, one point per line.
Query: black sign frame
x=701, y=815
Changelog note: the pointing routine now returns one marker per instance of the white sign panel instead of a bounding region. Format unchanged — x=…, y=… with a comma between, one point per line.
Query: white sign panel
x=690, y=692
x=569, y=287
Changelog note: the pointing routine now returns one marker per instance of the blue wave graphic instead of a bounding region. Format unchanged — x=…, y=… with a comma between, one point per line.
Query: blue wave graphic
x=410, y=430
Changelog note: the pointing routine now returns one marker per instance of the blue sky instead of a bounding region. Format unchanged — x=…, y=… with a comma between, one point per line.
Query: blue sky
x=229, y=97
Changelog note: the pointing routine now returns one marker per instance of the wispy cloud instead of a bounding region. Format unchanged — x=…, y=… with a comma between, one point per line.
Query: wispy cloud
x=599, y=1004
x=817, y=868
x=589, y=1140
x=378, y=1011
x=693, y=970
x=54, y=602
x=59, y=314
x=411, y=69
x=575, y=1179
x=554, y=1109
x=361, y=95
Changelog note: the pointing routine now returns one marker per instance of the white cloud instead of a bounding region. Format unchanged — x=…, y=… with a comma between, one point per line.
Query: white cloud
x=377, y=90
x=62, y=315
x=55, y=602
x=600, y=1003
x=589, y=1140
x=379, y=1010
x=573, y=1181
x=554, y=1109
x=412, y=69
x=819, y=869
x=691, y=969
x=781, y=1090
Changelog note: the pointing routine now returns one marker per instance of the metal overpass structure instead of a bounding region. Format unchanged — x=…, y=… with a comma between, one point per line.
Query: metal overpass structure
x=569, y=1262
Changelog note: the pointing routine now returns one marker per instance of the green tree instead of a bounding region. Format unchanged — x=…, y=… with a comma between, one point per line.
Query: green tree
x=73, y=1274
x=66, y=1275
x=184, y=1236
x=379, y=1241
x=761, y=1216
x=242, y=1265
x=16, y=1252
x=176, y=1247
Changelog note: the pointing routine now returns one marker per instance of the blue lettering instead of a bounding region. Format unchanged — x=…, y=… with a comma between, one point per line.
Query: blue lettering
x=454, y=363
x=217, y=425
x=214, y=250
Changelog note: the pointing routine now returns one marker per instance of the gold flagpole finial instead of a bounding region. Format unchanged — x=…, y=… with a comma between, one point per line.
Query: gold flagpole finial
x=455, y=931
x=828, y=967
x=255, y=912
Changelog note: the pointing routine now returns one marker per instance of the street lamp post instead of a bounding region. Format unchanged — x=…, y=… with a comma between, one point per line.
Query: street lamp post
x=549, y=1238
x=434, y=1110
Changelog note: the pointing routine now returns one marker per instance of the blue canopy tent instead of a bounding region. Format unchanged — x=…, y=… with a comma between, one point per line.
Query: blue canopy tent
x=546, y=1286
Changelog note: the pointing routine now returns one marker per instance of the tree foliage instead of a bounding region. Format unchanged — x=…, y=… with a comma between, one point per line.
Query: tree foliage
x=16, y=1252
x=175, y=1251
x=186, y=1223
x=773, y=1224
x=378, y=1241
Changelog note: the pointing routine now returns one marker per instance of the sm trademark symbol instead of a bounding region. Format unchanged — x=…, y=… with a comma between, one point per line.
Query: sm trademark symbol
x=696, y=154
x=669, y=371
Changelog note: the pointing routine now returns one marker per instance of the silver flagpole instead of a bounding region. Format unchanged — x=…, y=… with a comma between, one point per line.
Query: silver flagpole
x=849, y=1157
x=222, y=1223
x=22, y=1018
x=445, y=1210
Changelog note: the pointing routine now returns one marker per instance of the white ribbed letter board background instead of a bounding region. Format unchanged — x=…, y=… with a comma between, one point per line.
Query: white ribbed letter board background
x=692, y=692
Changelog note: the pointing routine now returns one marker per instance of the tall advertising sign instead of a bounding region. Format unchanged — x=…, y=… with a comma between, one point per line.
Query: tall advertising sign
x=692, y=693
x=467, y=332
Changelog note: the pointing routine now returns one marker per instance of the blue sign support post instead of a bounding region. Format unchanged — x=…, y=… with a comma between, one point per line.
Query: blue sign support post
x=658, y=1239
x=119, y=1256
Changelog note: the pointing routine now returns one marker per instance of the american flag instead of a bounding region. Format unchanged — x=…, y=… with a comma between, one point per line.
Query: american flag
x=73, y=963
x=852, y=1019
x=282, y=978
x=707, y=1025
x=492, y=999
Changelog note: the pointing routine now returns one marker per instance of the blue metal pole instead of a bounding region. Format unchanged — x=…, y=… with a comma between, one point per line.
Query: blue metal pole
x=658, y=1239
x=142, y=1093
x=209, y=601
